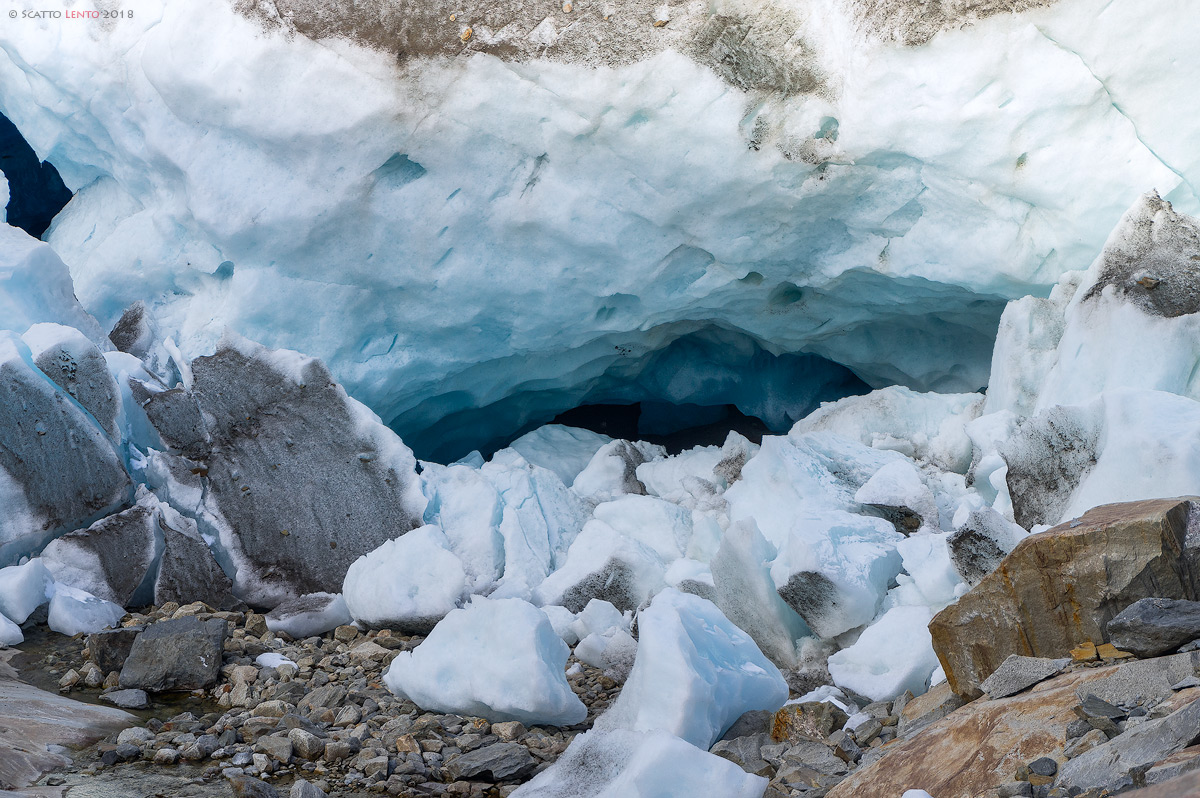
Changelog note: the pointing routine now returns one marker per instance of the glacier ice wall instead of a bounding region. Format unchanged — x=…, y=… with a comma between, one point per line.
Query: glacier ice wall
x=458, y=213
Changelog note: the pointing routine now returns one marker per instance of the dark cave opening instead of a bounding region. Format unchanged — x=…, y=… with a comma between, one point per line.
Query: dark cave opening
x=36, y=193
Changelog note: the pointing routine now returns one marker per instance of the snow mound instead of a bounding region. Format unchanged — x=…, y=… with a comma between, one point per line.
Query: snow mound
x=408, y=584
x=629, y=764
x=24, y=588
x=892, y=655
x=495, y=658
x=75, y=612
x=695, y=673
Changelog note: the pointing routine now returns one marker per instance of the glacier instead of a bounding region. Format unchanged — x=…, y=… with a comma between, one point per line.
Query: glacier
x=342, y=188
x=354, y=265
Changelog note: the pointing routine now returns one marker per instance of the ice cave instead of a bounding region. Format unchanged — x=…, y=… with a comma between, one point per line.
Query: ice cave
x=600, y=398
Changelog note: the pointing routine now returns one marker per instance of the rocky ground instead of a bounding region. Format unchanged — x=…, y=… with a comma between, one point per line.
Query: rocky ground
x=222, y=702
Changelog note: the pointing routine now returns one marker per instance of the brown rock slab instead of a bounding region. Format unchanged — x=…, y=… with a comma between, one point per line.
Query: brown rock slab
x=978, y=747
x=31, y=719
x=1064, y=585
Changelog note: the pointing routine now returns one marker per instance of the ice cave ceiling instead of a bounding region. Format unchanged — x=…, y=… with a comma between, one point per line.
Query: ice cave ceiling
x=480, y=221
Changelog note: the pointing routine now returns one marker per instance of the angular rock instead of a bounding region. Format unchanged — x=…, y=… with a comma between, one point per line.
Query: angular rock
x=305, y=744
x=1142, y=681
x=180, y=654
x=1108, y=766
x=111, y=558
x=1153, y=626
x=995, y=736
x=60, y=470
x=496, y=762
x=302, y=788
x=277, y=748
x=127, y=699
x=1185, y=785
x=188, y=571
x=933, y=705
x=746, y=753
x=1092, y=568
x=108, y=649
x=1019, y=673
x=250, y=787
x=305, y=479
x=1185, y=761
x=810, y=720
x=756, y=721
x=331, y=695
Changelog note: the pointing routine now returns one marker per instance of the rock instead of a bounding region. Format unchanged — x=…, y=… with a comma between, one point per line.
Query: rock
x=111, y=557
x=69, y=680
x=1108, y=765
x=166, y=756
x=1018, y=609
x=1185, y=785
x=188, y=571
x=127, y=699
x=1085, y=652
x=933, y=705
x=305, y=479
x=1044, y=766
x=496, y=762
x=746, y=753
x=1019, y=673
x=179, y=654
x=277, y=748
x=331, y=695
x=1093, y=707
x=135, y=735
x=756, y=721
x=59, y=463
x=250, y=787
x=811, y=720
x=509, y=730
x=1084, y=743
x=1141, y=680
x=306, y=789
x=1107, y=651
x=1016, y=789
x=995, y=736
x=1153, y=626
x=1175, y=765
x=305, y=744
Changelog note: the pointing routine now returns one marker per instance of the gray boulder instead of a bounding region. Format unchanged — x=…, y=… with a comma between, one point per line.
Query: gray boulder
x=127, y=699
x=746, y=753
x=304, y=479
x=496, y=762
x=109, y=649
x=112, y=557
x=1153, y=626
x=1019, y=673
x=1108, y=766
x=77, y=366
x=61, y=471
x=179, y=654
